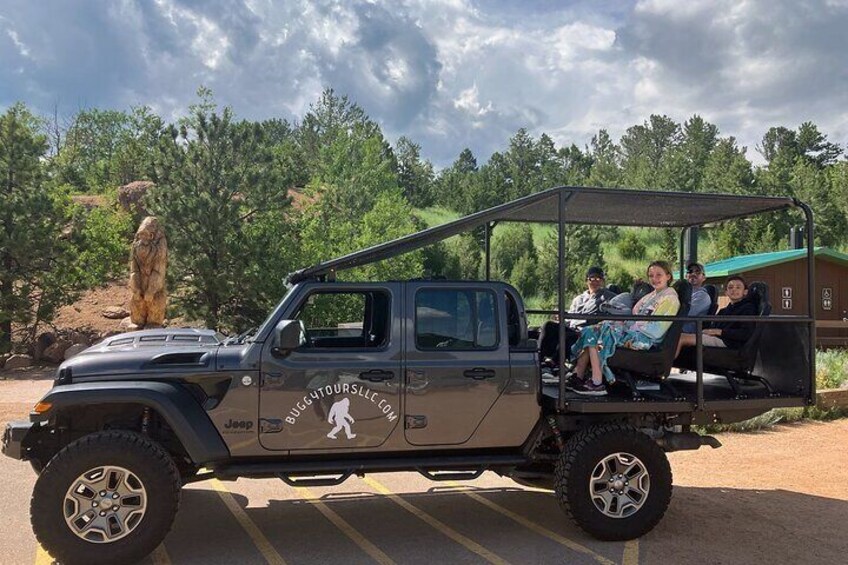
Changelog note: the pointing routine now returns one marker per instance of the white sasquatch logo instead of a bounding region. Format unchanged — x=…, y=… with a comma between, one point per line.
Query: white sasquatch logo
x=340, y=417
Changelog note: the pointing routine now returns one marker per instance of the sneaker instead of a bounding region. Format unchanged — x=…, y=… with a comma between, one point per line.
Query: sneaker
x=590, y=389
x=647, y=385
x=572, y=380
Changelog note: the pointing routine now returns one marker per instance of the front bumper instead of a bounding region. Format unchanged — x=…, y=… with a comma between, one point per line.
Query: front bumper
x=13, y=439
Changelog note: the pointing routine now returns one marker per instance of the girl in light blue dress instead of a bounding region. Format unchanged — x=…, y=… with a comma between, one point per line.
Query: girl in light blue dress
x=598, y=343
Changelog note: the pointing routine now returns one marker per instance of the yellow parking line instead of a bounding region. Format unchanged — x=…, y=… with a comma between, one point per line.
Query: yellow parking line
x=562, y=540
x=348, y=530
x=631, y=553
x=262, y=544
x=160, y=555
x=445, y=529
x=42, y=557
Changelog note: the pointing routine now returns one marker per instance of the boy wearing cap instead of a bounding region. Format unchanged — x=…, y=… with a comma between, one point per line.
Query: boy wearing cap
x=588, y=302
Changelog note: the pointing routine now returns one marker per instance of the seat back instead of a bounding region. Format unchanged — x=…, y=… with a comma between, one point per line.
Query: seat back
x=758, y=293
x=672, y=336
x=614, y=288
x=713, y=292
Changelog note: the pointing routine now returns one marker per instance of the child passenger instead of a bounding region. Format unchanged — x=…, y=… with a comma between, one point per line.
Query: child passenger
x=598, y=343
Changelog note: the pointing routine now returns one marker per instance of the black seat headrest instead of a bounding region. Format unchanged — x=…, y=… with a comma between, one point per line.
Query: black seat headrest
x=614, y=288
x=712, y=291
x=684, y=292
x=640, y=289
x=758, y=293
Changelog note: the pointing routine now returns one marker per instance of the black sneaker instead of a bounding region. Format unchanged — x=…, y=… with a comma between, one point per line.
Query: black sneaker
x=572, y=380
x=590, y=389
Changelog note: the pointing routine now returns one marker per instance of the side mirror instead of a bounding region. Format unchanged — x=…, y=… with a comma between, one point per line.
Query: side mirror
x=291, y=334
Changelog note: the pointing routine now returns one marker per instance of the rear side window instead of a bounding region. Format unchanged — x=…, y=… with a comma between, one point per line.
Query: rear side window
x=455, y=319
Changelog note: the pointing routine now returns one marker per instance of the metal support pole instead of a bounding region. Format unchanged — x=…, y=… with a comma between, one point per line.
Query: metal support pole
x=699, y=363
x=561, y=296
x=682, y=265
x=811, y=300
x=488, y=240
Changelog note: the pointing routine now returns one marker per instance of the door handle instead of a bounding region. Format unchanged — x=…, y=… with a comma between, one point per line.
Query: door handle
x=479, y=373
x=377, y=376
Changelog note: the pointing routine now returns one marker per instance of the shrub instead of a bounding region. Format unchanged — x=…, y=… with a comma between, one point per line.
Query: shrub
x=104, y=245
x=831, y=368
x=523, y=275
x=631, y=247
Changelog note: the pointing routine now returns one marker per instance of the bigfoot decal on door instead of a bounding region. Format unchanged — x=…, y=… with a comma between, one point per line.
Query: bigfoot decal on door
x=340, y=417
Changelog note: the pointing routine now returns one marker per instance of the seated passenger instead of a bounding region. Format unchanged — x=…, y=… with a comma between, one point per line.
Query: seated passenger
x=732, y=335
x=588, y=302
x=701, y=301
x=598, y=343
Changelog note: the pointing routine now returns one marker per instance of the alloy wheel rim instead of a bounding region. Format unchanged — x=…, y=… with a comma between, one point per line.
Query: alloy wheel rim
x=105, y=504
x=619, y=485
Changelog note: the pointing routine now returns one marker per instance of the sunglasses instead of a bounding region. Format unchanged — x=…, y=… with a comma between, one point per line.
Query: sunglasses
x=594, y=279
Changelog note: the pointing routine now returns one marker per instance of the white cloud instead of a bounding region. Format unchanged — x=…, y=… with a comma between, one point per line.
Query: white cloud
x=450, y=73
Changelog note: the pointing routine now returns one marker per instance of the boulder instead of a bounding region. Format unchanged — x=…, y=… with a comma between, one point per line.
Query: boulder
x=128, y=325
x=18, y=361
x=131, y=197
x=42, y=342
x=115, y=312
x=56, y=352
x=74, y=350
x=78, y=337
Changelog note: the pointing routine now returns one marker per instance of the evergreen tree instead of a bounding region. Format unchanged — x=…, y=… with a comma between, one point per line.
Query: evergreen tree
x=606, y=161
x=414, y=175
x=646, y=150
x=36, y=265
x=221, y=202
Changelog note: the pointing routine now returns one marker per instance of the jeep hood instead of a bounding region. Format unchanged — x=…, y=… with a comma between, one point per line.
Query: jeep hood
x=148, y=352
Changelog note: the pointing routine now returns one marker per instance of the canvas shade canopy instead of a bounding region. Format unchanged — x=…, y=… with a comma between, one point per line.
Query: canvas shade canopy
x=580, y=205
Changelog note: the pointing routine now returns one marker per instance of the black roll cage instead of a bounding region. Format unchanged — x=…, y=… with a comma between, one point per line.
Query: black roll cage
x=536, y=208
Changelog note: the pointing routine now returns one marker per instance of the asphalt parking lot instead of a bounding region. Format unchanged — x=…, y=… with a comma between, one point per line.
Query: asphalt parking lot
x=762, y=497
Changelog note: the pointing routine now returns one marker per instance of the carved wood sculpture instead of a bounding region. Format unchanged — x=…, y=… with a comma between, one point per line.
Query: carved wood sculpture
x=148, y=264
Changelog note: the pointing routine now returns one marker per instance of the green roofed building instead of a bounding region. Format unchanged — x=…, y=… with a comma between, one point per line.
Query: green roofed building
x=785, y=274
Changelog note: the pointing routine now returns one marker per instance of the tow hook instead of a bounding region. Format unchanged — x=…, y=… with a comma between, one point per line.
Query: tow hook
x=686, y=441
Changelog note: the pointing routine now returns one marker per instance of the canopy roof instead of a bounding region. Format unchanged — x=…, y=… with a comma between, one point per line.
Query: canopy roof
x=583, y=205
x=745, y=263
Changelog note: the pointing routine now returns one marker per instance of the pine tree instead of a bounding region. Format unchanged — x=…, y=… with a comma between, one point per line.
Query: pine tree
x=36, y=270
x=223, y=207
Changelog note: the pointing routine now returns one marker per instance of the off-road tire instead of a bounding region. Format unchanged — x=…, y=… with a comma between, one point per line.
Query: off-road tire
x=583, y=452
x=132, y=451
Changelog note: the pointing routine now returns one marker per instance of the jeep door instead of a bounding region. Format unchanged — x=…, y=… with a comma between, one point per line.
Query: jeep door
x=457, y=360
x=341, y=388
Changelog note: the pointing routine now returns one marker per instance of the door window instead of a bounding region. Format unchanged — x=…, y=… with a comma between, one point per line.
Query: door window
x=346, y=319
x=455, y=319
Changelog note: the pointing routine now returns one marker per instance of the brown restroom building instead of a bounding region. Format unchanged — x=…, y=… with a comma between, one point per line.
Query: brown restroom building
x=785, y=272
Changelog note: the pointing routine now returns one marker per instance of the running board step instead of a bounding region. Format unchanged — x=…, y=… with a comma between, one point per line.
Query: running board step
x=453, y=475
x=314, y=480
x=334, y=467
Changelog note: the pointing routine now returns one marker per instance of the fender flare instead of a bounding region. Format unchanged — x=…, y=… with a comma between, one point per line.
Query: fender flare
x=179, y=409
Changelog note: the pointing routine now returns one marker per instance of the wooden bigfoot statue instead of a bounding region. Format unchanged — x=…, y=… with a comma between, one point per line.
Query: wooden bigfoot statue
x=148, y=262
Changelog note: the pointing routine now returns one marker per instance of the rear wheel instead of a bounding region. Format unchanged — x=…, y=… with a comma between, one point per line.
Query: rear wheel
x=109, y=497
x=614, y=481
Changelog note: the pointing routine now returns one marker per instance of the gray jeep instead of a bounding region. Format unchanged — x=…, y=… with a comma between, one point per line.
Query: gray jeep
x=434, y=376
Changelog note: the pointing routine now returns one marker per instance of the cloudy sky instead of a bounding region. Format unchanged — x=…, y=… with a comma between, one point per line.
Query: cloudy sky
x=447, y=73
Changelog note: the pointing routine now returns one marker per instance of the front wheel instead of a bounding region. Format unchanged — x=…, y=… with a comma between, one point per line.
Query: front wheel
x=109, y=497
x=614, y=481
